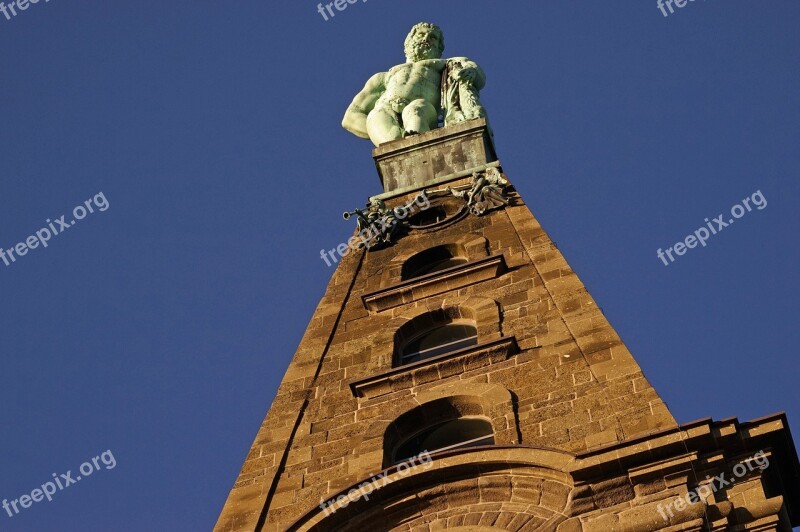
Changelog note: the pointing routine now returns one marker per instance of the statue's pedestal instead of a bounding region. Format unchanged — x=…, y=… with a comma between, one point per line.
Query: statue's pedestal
x=420, y=160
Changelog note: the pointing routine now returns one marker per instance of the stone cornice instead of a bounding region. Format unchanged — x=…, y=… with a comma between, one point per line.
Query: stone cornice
x=435, y=283
x=434, y=369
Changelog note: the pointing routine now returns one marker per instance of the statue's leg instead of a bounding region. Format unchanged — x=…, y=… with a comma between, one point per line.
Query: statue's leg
x=382, y=126
x=420, y=116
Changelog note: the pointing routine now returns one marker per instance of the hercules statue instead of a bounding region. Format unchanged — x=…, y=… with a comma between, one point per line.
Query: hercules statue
x=410, y=98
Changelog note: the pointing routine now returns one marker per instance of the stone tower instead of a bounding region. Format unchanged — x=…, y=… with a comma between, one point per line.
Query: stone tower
x=461, y=377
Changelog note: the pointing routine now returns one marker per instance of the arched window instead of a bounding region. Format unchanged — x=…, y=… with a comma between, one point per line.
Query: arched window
x=453, y=434
x=437, y=341
x=432, y=260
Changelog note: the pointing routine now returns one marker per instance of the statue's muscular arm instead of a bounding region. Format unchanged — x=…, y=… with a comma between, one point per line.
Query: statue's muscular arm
x=355, y=118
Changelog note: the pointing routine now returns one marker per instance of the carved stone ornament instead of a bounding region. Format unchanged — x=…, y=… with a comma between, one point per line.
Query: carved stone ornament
x=380, y=226
x=486, y=193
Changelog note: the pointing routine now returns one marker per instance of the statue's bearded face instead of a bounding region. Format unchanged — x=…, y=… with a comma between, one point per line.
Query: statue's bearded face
x=424, y=43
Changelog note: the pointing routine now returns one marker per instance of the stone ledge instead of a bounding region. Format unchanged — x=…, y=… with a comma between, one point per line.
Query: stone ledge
x=701, y=436
x=419, y=159
x=435, y=283
x=435, y=368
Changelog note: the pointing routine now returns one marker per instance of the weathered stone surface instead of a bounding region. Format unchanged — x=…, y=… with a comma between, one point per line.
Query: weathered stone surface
x=418, y=161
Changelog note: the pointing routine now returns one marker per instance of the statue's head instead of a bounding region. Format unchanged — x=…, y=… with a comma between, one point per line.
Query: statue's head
x=424, y=41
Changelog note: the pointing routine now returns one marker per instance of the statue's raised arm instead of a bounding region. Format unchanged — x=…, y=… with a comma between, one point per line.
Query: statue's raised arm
x=410, y=98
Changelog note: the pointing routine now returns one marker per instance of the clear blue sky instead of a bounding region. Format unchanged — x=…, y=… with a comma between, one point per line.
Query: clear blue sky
x=160, y=327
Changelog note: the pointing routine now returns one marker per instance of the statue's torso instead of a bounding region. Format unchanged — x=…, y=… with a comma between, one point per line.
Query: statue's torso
x=411, y=81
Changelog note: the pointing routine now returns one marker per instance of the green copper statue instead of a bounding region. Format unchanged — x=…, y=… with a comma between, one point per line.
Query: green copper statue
x=410, y=98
